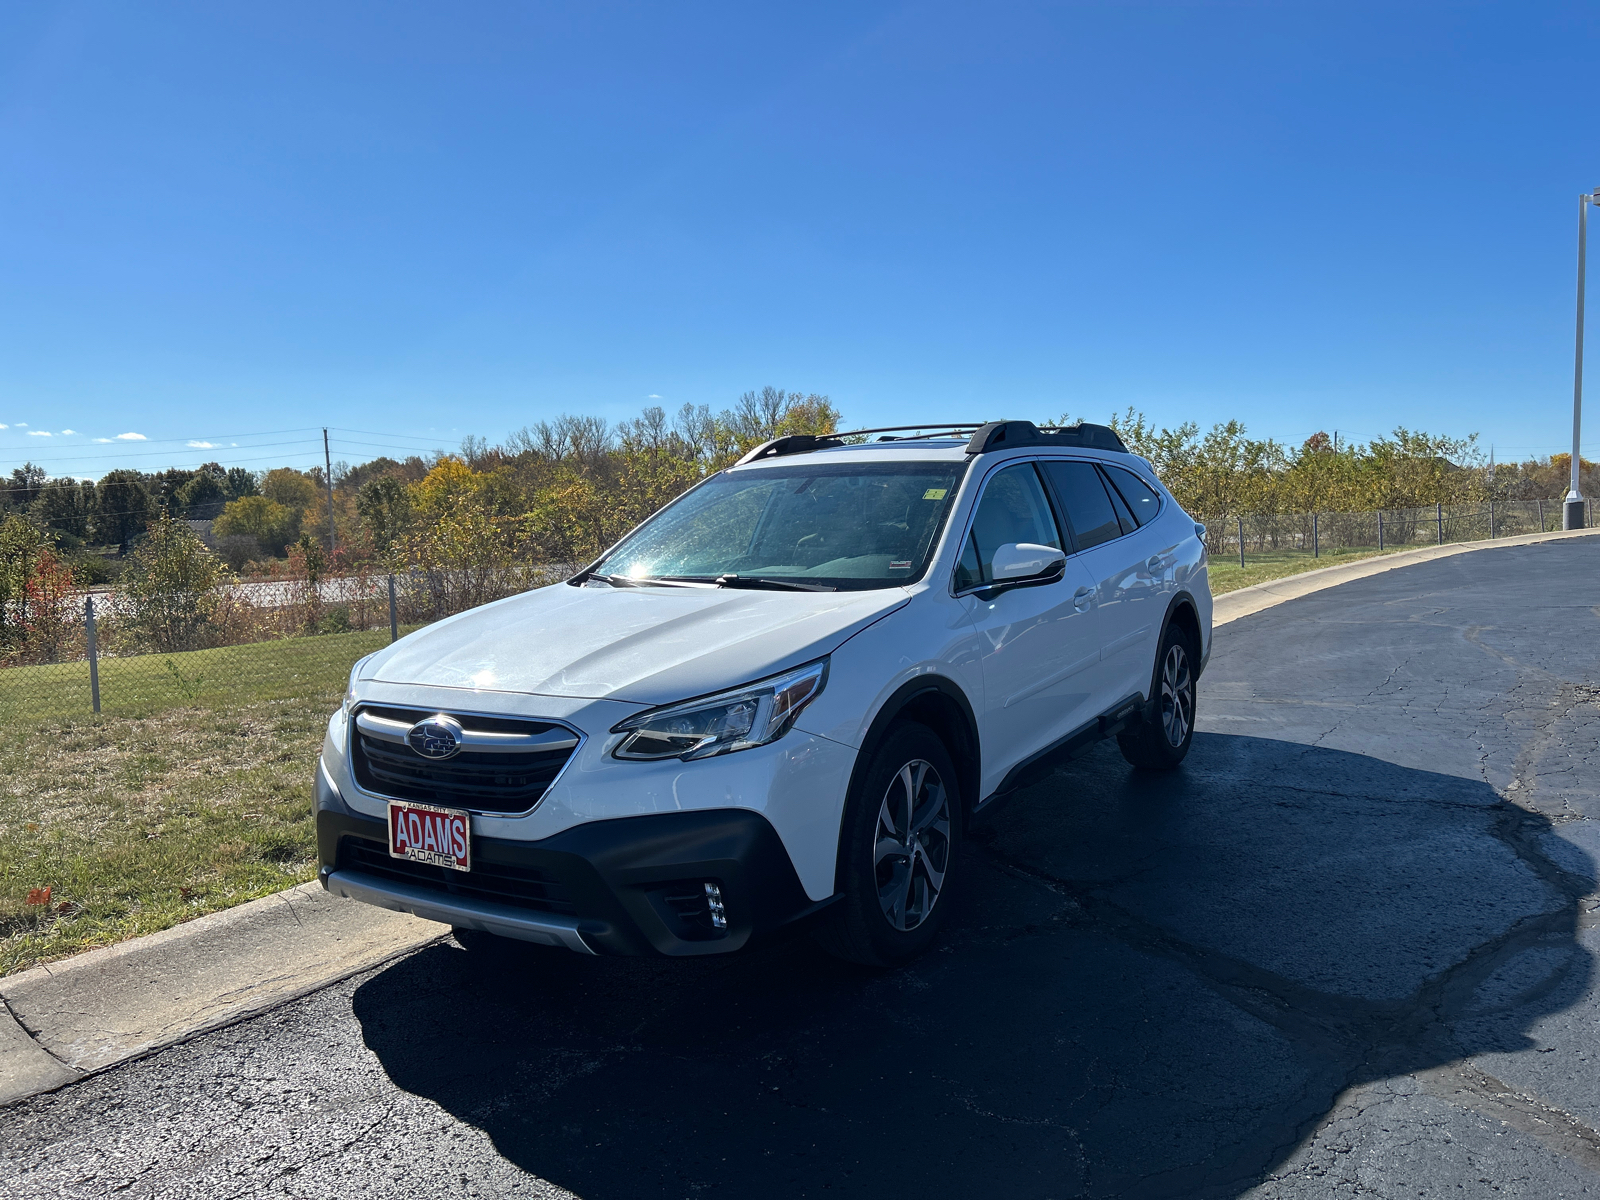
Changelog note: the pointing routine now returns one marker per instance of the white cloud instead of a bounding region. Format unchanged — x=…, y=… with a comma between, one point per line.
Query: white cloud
x=38, y=433
x=204, y=446
x=5, y=427
x=102, y=441
x=69, y=433
x=131, y=437
x=22, y=424
x=652, y=396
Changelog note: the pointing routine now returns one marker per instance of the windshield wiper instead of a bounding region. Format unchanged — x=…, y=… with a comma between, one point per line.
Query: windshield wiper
x=642, y=581
x=748, y=581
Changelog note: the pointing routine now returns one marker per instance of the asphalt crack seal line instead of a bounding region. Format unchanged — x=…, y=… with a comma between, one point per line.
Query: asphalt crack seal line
x=85, y=1014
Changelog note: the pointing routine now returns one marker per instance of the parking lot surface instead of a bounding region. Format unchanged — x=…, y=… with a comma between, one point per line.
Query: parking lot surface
x=1347, y=950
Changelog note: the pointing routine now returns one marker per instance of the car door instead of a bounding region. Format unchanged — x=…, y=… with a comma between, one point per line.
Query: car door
x=1035, y=643
x=1158, y=544
x=1126, y=606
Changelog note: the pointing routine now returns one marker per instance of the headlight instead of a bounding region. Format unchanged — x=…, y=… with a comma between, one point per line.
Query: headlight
x=752, y=715
x=350, y=686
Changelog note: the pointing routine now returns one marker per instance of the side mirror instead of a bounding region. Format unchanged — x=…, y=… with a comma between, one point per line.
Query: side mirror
x=1020, y=562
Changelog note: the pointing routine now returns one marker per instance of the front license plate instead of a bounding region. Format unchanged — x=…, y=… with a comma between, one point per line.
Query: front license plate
x=424, y=833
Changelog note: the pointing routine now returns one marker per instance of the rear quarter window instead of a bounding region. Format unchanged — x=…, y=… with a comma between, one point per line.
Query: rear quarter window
x=1141, y=498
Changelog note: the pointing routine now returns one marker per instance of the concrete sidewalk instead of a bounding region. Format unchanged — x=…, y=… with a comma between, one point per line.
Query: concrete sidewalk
x=71, y=1018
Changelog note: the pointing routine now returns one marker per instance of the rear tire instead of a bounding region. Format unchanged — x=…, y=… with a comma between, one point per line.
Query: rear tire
x=1160, y=741
x=898, y=847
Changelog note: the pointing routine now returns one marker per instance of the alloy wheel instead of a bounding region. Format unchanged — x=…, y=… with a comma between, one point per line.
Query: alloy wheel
x=1177, y=696
x=911, y=847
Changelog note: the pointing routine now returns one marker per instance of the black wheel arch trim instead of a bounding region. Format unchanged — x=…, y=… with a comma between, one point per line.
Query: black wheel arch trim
x=967, y=757
x=1183, y=600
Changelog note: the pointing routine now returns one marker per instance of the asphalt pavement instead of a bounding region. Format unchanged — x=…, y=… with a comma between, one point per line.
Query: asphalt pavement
x=1347, y=950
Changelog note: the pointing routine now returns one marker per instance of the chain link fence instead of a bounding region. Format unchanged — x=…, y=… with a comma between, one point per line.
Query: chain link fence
x=1317, y=533
x=291, y=638
x=244, y=643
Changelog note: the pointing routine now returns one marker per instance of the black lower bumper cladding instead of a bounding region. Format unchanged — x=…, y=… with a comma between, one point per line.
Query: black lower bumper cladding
x=633, y=885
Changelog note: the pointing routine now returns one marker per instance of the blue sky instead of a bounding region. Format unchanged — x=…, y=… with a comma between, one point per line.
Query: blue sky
x=237, y=223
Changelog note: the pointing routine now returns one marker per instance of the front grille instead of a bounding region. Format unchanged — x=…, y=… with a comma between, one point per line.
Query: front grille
x=496, y=783
x=521, y=887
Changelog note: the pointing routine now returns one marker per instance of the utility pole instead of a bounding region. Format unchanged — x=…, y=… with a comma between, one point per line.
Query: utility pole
x=1572, y=516
x=327, y=465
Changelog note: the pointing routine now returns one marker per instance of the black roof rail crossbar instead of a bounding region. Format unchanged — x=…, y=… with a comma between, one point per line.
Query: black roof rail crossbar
x=1007, y=435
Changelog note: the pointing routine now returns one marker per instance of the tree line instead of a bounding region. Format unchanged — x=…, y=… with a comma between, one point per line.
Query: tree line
x=468, y=527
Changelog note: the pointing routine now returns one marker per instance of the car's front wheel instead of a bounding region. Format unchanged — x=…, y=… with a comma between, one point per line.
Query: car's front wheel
x=897, y=854
x=1160, y=740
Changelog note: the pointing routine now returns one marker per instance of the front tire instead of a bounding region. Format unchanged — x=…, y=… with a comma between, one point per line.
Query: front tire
x=1160, y=741
x=897, y=852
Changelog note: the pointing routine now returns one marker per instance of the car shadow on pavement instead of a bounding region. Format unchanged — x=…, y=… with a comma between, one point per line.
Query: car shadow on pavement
x=1154, y=985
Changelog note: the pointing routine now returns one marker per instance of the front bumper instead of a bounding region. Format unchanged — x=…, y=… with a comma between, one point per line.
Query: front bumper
x=632, y=885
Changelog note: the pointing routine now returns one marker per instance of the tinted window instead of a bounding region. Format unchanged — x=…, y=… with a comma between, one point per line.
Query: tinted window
x=1084, y=497
x=1013, y=509
x=1141, y=497
x=849, y=526
x=1124, y=516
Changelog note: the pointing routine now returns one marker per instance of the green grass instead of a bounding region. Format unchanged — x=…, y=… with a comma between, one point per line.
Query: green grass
x=1262, y=566
x=191, y=792
x=138, y=823
x=143, y=685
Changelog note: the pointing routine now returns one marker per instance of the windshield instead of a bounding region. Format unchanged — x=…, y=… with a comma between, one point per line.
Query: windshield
x=837, y=525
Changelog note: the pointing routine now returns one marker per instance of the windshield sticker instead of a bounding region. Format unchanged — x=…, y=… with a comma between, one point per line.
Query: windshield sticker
x=900, y=566
x=935, y=493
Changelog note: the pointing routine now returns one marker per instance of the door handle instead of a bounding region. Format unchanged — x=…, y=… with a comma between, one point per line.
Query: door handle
x=1082, y=597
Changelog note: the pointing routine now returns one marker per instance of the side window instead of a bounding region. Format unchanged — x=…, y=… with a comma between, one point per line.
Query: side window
x=1124, y=514
x=1141, y=497
x=1013, y=509
x=1084, y=497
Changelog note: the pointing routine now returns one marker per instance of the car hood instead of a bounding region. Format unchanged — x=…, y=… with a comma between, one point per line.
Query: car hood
x=644, y=645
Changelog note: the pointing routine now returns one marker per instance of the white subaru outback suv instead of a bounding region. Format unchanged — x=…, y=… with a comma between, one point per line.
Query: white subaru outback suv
x=782, y=698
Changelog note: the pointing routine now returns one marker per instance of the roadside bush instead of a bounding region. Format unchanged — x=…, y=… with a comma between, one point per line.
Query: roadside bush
x=170, y=589
x=239, y=549
x=37, y=593
x=91, y=570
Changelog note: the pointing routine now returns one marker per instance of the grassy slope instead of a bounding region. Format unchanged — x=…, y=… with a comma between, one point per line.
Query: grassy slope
x=1262, y=566
x=189, y=794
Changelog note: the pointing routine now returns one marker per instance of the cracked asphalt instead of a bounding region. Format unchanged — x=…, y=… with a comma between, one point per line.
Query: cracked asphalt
x=1347, y=950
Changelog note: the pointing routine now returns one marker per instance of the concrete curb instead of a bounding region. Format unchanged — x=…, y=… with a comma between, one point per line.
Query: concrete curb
x=72, y=1018
x=1230, y=606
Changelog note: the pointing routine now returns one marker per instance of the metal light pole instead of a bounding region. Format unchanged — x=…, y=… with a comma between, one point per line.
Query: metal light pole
x=1573, y=510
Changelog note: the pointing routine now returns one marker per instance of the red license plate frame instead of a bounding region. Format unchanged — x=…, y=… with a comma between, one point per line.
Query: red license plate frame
x=426, y=833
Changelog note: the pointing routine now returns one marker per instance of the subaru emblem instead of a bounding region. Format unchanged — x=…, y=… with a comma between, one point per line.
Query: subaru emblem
x=437, y=736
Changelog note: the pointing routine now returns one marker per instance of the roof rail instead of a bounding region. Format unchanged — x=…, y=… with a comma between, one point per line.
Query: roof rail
x=793, y=443
x=996, y=435
x=805, y=443
x=1007, y=435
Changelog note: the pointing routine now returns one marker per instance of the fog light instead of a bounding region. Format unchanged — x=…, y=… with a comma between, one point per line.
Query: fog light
x=719, y=915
